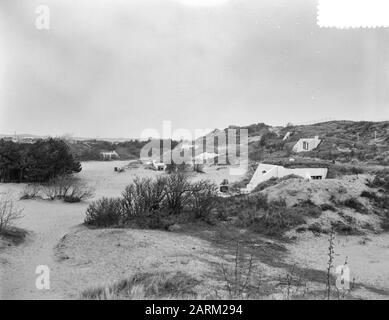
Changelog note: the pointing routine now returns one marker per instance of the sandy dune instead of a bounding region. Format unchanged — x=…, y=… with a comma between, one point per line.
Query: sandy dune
x=47, y=222
x=80, y=258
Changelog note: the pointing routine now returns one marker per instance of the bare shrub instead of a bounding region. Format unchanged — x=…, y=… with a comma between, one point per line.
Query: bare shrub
x=158, y=203
x=143, y=196
x=9, y=212
x=31, y=191
x=238, y=278
x=68, y=188
x=203, y=198
x=79, y=191
x=105, y=212
x=58, y=187
x=177, y=193
x=294, y=284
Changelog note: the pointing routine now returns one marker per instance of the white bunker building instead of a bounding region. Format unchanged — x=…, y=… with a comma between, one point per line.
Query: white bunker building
x=265, y=172
x=306, y=144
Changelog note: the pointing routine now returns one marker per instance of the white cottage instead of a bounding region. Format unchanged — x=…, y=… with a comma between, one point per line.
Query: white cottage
x=109, y=155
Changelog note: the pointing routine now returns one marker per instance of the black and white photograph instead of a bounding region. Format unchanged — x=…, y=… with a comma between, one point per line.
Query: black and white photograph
x=193, y=150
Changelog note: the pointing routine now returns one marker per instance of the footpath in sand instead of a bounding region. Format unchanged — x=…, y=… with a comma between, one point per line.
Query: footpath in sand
x=98, y=258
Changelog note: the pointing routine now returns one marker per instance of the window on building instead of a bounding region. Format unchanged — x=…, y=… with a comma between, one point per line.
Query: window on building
x=316, y=177
x=305, y=145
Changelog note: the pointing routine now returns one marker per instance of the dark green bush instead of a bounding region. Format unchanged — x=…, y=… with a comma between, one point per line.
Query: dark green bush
x=203, y=198
x=369, y=195
x=355, y=204
x=278, y=218
x=381, y=180
x=144, y=196
x=327, y=206
x=105, y=212
x=177, y=193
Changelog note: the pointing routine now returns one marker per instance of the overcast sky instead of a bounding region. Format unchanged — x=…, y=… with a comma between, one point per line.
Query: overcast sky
x=111, y=68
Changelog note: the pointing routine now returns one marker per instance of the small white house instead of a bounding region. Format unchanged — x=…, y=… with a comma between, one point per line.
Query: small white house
x=306, y=144
x=265, y=172
x=109, y=155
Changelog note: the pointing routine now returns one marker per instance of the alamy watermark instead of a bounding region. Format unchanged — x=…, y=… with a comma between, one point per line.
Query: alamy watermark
x=42, y=21
x=42, y=281
x=223, y=147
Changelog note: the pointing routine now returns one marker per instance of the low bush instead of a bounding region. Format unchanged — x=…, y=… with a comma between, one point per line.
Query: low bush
x=143, y=196
x=381, y=180
x=9, y=213
x=105, y=212
x=278, y=218
x=155, y=203
x=327, y=207
x=67, y=188
x=355, y=204
x=177, y=193
x=343, y=228
x=241, y=206
x=369, y=195
x=203, y=198
x=31, y=191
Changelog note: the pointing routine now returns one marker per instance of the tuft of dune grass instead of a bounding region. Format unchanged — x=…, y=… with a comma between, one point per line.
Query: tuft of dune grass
x=143, y=286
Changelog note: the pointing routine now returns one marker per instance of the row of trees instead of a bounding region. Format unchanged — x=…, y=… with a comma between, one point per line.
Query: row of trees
x=36, y=162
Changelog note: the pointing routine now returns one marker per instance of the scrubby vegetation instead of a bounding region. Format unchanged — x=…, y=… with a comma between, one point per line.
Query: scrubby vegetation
x=105, y=212
x=343, y=141
x=381, y=181
x=278, y=218
x=35, y=162
x=171, y=200
x=355, y=204
x=10, y=212
x=65, y=187
x=163, y=202
x=147, y=286
x=154, y=203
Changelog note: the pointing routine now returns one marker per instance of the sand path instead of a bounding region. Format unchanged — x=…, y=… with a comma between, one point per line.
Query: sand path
x=47, y=222
x=46, y=225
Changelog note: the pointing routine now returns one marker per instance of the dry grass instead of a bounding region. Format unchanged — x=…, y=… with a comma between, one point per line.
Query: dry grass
x=144, y=286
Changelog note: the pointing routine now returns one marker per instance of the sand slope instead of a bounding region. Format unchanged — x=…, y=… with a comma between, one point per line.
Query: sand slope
x=47, y=223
